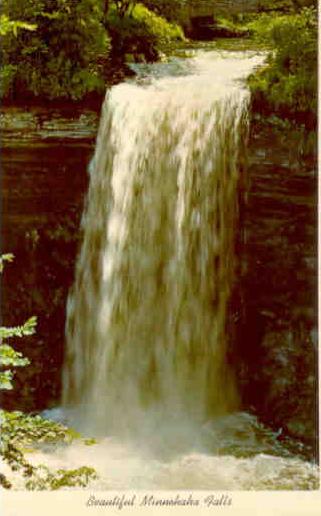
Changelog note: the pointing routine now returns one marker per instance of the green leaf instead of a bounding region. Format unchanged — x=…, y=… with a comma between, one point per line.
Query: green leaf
x=28, y=328
x=6, y=380
x=7, y=25
x=10, y=357
x=5, y=258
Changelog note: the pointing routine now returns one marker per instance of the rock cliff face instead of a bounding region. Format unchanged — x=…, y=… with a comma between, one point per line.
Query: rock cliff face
x=277, y=345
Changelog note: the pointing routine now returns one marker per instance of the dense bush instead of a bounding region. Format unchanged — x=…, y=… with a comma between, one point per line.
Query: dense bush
x=9, y=357
x=284, y=5
x=21, y=433
x=62, y=57
x=172, y=10
x=140, y=32
x=60, y=49
x=287, y=85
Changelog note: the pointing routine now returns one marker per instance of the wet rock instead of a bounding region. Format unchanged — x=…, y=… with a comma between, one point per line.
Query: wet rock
x=42, y=152
x=276, y=355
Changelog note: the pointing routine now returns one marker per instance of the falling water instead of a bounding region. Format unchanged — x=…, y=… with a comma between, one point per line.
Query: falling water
x=147, y=317
x=146, y=365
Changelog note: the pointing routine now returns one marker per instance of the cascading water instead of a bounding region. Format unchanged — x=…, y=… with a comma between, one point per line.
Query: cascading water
x=147, y=317
x=145, y=367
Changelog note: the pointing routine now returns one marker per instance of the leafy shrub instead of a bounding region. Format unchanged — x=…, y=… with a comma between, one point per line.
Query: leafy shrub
x=40, y=477
x=287, y=85
x=165, y=32
x=7, y=26
x=9, y=357
x=24, y=430
x=173, y=10
x=19, y=430
x=285, y=5
x=44, y=479
x=63, y=57
x=141, y=32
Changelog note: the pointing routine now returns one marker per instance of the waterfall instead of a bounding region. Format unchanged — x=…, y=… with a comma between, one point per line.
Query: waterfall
x=147, y=315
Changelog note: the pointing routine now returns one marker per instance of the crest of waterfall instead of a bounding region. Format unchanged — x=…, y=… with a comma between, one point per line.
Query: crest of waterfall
x=147, y=316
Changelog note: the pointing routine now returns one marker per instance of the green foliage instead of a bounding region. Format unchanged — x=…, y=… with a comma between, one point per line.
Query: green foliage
x=9, y=357
x=172, y=10
x=63, y=58
x=90, y=442
x=156, y=25
x=6, y=378
x=141, y=32
x=230, y=26
x=7, y=26
x=287, y=85
x=5, y=258
x=24, y=430
x=285, y=5
x=20, y=331
x=7, y=75
x=20, y=431
x=124, y=6
x=15, y=459
x=43, y=479
x=59, y=49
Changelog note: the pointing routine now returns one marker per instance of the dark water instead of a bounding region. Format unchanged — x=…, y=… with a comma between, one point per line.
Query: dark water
x=44, y=161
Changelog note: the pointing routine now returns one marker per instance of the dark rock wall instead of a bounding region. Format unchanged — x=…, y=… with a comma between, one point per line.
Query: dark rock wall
x=277, y=347
x=44, y=159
